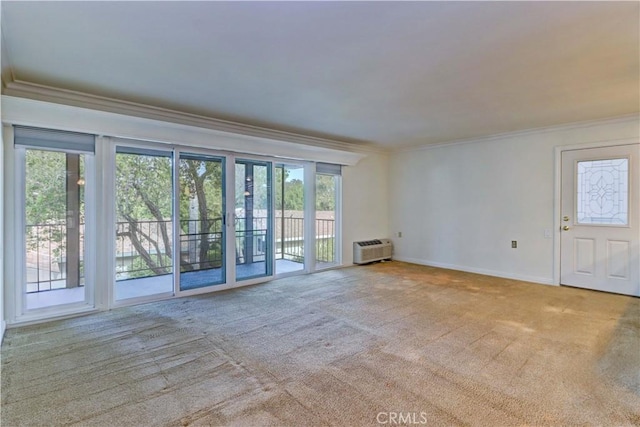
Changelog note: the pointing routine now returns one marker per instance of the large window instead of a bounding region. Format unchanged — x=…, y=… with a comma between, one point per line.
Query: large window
x=56, y=216
x=327, y=214
x=171, y=221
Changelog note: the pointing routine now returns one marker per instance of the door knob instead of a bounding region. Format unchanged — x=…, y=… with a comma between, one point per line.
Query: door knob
x=565, y=228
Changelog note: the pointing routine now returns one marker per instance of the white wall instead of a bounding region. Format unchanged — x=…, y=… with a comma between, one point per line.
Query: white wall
x=460, y=205
x=365, y=206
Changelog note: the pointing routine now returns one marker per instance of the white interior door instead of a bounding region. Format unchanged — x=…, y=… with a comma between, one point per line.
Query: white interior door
x=600, y=230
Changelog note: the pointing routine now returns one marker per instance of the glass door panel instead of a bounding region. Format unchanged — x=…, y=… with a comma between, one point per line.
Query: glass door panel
x=54, y=228
x=326, y=216
x=289, y=215
x=253, y=219
x=202, y=228
x=144, y=226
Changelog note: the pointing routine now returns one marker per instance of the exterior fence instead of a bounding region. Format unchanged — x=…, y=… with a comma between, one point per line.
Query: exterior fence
x=46, y=256
x=144, y=248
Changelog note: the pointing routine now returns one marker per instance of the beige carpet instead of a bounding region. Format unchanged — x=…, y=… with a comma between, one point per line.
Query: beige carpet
x=385, y=344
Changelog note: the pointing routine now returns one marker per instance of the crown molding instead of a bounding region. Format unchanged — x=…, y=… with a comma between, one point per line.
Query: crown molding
x=525, y=132
x=23, y=89
x=6, y=71
x=51, y=115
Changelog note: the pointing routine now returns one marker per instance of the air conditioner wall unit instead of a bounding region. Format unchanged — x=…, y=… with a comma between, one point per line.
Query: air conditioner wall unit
x=368, y=251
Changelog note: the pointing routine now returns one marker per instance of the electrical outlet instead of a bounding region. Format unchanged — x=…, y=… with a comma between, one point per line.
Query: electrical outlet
x=514, y=244
x=399, y=233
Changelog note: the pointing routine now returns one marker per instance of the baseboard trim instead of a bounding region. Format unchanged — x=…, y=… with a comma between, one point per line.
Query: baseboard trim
x=485, y=272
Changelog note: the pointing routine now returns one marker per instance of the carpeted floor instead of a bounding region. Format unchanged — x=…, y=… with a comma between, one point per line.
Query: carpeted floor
x=385, y=344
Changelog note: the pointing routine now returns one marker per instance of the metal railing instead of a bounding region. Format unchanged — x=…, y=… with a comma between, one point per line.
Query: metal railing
x=325, y=238
x=144, y=248
x=201, y=244
x=47, y=255
x=290, y=238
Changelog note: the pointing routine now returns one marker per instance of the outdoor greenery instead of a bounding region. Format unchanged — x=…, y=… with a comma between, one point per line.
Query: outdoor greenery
x=293, y=190
x=45, y=187
x=325, y=193
x=45, y=202
x=201, y=211
x=144, y=188
x=324, y=250
x=143, y=193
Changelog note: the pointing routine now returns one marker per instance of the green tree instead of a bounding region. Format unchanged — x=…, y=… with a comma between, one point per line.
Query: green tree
x=45, y=187
x=144, y=189
x=325, y=193
x=293, y=191
x=294, y=195
x=46, y=200
x=143, y=207
x=201, y=185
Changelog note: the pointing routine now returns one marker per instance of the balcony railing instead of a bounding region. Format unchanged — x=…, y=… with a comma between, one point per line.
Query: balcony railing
x=325, y=238
x=143, y=248
x=46, y=257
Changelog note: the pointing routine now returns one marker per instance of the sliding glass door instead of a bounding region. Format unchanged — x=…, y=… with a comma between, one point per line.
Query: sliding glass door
x=154, y=186
x=253, y=219
x=188, y=220
x=144, y=224
x=202, y=221
x=231, y=223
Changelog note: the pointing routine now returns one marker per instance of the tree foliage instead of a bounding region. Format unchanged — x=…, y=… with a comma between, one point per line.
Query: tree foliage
x=293, y=191
x=201, y=211
x=46, y=199
x=46, y=192
x=144, y=203
x=325, y=193
x=143, y=207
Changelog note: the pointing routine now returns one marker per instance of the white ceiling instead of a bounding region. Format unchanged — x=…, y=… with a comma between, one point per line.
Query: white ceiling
x=392, y=74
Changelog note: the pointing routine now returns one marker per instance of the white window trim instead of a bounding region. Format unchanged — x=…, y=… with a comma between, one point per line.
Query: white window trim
x=15, y=185
x=117, y=129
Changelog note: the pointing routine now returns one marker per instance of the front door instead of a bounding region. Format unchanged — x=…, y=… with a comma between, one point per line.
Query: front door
x=600, y=230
